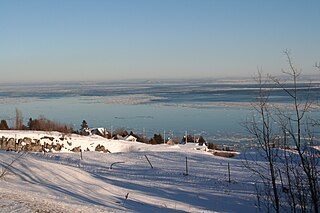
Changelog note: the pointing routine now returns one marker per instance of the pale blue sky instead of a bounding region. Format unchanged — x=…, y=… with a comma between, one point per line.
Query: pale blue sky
x=63, y=40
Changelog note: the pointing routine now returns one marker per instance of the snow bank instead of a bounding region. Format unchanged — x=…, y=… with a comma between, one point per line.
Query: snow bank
x=69, y=142
x=61, y=182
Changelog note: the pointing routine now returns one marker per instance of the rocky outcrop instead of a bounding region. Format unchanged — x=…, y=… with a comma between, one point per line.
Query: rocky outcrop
x=33, y=141
x=33, y=145
x=28, y=144
x=8, y=143
x=57, y=147
x=76, y=149
x=47, y=137
x=100, y=148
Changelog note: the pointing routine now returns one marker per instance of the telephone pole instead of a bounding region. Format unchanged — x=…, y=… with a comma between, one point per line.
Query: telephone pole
x=186, y=137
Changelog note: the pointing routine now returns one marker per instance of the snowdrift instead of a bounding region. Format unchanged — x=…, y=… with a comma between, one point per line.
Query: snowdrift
x=39, y=141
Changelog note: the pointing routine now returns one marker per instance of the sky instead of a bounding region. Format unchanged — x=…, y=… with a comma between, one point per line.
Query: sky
x=108, y=40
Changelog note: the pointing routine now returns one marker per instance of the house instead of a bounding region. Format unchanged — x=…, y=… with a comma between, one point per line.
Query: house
x=96, y=131
x=130, y=138
x=118, y=137
x=101, y=132
x=172, y=141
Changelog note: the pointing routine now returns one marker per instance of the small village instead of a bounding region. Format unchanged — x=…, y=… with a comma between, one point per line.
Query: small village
x=49, y=144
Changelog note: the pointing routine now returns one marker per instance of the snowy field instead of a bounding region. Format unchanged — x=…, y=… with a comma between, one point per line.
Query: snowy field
x=61, y=182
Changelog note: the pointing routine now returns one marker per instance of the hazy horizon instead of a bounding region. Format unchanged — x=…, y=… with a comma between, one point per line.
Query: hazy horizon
x=223, y=80
x=57, y=41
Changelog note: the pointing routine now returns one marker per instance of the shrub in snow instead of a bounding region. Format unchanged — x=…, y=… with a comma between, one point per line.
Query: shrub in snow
x=3, y=125
x=157, y=139
x=120, y=131
x=212, y=146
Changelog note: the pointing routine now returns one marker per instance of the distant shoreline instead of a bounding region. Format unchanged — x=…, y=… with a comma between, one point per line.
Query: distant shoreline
x=231, y=80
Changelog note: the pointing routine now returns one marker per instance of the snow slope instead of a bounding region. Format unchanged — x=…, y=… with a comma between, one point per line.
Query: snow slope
x=70, y=141
x=61, y=182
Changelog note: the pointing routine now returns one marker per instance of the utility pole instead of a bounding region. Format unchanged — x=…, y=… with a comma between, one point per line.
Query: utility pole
x=229, y=179
x=81, y=153
x=15, y=142
x=186, y=136
x=164, y=136
x=185, y=174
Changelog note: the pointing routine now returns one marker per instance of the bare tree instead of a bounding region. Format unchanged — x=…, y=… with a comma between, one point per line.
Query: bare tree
x=261, y=129
x=285, y=136
x=296, y=125
x=18, y=120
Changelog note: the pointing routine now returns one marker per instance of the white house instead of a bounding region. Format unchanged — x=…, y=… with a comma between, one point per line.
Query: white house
x=131, y=138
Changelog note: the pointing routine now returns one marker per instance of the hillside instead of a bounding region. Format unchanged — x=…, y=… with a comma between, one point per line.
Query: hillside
x=61, y=182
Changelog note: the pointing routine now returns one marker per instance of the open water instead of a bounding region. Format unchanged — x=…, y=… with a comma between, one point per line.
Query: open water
x=215, y=110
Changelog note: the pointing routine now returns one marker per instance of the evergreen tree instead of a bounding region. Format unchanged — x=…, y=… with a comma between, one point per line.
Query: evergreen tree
x=30, y=124
x=84, y=125
x=157, y=139
x=201, y=140
x=4, y=125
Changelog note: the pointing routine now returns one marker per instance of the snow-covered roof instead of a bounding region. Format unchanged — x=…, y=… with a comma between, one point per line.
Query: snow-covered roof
x=130, y=138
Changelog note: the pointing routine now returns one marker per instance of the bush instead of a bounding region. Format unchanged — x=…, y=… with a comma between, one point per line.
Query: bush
x=212, y=146
x=4, y=125
x=44, y=124
x=157, y=139
x=120, y=131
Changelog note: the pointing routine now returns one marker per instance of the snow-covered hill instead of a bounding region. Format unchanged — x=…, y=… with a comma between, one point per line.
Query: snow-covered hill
x=61, y=182
x=56, y=141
